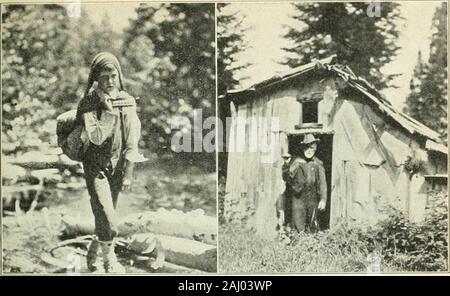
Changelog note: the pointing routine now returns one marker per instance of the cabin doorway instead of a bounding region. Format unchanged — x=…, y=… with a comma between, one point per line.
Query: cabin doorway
x=324, y=153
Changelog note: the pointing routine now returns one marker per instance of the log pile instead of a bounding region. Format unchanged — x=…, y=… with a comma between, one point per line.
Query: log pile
x=188, y=240
x=27, y=176
x=194, y=225
x=52, y=158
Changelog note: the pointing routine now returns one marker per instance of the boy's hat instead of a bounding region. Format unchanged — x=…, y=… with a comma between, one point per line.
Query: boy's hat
x=309, y=139
x=100, y=61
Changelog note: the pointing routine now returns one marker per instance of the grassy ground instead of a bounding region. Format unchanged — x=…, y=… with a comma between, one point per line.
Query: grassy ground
x=392, y=245
x=241, y=251
x=27, y=237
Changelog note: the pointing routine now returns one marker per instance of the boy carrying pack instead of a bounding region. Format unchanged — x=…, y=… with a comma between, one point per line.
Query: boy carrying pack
x=107, y=130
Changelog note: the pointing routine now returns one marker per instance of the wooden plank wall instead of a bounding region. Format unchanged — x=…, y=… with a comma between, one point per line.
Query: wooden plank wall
x=368, y=166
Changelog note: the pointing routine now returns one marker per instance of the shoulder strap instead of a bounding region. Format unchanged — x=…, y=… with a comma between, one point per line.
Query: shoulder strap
x=124, y=100
x=123, y=103
x=122, y=128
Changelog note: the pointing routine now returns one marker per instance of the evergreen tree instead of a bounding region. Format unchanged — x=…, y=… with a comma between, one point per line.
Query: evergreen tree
x=362, y=42
x=412, y=106
x=427, y=101
x=171, y=52
x=101, y=38
x=230, y=42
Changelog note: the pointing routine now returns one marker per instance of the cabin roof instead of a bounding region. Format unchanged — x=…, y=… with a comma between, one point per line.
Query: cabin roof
x=359, y=84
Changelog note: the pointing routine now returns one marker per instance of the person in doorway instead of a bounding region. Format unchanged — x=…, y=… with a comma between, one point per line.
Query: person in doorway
x=111, y=131
x=305, y=179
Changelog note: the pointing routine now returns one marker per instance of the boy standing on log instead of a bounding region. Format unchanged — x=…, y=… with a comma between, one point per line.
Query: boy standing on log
x=110, y=136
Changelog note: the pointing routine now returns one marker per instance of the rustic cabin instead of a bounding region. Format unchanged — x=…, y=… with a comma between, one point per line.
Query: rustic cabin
x=375, y=157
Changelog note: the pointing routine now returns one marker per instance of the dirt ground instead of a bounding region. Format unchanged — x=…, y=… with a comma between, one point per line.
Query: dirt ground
x=30, y=236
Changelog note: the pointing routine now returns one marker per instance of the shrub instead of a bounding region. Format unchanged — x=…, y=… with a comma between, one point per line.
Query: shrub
x=398, y=244
x=414, y=246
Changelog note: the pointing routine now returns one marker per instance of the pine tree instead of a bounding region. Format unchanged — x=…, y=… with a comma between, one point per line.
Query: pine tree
x=415, y=101
x=180, y=36
x=171, y=53
x=362, y=42
x=230, y=42
x=427, y=101
x=102, y=38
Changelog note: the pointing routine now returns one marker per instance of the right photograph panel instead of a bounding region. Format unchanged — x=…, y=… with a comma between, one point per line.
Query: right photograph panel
x=333, y=152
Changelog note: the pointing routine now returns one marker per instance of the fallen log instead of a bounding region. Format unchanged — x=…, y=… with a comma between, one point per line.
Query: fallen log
x=17, y=176
x=7, y=190
x=149, y=251
x=11, y=173
x=37, y=160
x=174, y=268
x=193, y=225
x=62, y=265
x=139, y=264
x=49, y=175
x=179, y=252
x=71, y=186
x=189, y=253
x=12, y=195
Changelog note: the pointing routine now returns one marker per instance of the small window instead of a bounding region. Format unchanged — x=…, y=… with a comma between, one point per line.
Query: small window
x=310, y=112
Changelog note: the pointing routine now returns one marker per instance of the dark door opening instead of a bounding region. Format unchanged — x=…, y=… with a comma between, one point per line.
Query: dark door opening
x=324, y=153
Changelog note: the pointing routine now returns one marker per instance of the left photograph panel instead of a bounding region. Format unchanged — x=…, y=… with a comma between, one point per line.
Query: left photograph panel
x=108, y=158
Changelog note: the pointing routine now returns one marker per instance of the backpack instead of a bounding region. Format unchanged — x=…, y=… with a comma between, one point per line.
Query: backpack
x=68, y=130
x=69, y=135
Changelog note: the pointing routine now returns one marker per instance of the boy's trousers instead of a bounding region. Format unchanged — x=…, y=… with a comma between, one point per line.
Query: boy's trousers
x=104, y=187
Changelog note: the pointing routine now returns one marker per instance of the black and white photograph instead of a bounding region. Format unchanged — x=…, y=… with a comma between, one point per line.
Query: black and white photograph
x=94, y=98
x=335, y=158
x=224, y=138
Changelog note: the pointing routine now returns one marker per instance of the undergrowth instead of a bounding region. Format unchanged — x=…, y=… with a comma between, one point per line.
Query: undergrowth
x=394, y=244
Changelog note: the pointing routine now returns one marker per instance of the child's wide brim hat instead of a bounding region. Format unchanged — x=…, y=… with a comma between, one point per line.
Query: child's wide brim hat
x=309, y=139
x=99, y=62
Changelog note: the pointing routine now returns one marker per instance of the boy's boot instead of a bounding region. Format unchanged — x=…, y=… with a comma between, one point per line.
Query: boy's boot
x=92, y=255
x=110, y=261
